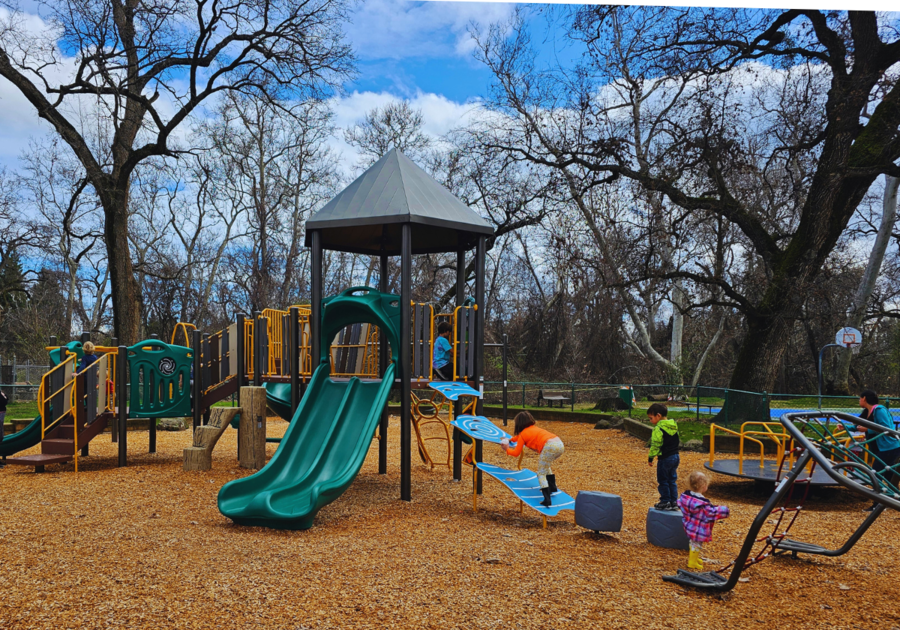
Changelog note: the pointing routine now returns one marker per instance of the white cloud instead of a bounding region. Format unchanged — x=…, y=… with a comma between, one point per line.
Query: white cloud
x=395, y=29
x=439, y=114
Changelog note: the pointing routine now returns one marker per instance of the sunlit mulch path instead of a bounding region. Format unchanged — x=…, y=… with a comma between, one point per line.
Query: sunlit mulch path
x=145, y=547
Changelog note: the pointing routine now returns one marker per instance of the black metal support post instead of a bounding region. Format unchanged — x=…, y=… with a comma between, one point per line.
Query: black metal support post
x=122, y=402
x=295, y=358
x=315, y=316
x=257, y=349
x=241, y=351
x=382, y=366
x=197, y=391
x=404, y=352
x=85, y=337
x=480, y=252
x=457, y=406
x=505, y=377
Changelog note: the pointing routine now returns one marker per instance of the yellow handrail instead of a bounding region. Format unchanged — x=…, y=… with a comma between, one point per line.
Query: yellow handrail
x=712, y=446
x=43, y=397
x=187, y=328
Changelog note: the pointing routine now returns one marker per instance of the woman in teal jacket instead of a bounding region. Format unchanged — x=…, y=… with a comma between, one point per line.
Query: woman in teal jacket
x=885, y=446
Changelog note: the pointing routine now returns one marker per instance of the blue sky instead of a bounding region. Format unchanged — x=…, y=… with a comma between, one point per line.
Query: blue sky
x=419, y=51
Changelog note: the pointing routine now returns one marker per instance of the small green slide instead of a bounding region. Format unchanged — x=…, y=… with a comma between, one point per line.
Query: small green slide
x=31, y=434
x=20, y=440
x=278, y=397
x=329, y=436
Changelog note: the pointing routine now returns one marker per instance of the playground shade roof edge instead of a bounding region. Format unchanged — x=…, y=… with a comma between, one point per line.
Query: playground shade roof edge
x=366, y=217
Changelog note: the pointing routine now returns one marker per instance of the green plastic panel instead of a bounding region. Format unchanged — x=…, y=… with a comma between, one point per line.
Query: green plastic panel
x=160, y=380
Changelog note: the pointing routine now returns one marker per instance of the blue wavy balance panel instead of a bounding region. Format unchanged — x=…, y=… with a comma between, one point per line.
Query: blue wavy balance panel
x=480, y=428
x=451, y=390
x=666, y=529
x=524, y=484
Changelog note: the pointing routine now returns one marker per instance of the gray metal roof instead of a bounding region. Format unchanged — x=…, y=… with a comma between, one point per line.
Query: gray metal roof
x=365, y=217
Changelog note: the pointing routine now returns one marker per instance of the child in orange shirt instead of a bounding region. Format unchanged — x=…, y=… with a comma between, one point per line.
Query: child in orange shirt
x=549, y=447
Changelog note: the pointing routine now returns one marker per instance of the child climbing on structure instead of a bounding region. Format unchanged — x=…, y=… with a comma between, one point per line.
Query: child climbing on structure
x=443, y=353
x=547, y=445
x=664, y=442
x=699, y=516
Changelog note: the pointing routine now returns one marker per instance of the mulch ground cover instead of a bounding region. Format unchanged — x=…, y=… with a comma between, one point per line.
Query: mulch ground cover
x=146, y=547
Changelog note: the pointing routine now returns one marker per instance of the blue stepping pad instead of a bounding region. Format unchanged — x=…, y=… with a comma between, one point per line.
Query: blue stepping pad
x=598, y=511
x=666, y=529
x=524, y=484
x=480, y=428
x=452, y=390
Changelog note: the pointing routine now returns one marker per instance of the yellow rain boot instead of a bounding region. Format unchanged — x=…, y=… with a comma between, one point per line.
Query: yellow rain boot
x=694, y=561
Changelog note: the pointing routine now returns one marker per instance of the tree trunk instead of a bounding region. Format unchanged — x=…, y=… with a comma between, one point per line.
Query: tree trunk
x=126, y=295
x=759, y=359
x=867, y=283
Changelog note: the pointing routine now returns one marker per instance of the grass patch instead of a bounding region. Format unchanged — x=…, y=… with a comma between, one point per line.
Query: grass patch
x=25, y=409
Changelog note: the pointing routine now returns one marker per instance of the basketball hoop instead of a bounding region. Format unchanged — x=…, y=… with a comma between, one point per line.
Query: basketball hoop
x=849, y=338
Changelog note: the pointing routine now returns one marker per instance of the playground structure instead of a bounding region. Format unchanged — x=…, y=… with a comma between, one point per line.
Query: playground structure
x=770, y=438
x=280, y=349
x=820, y=441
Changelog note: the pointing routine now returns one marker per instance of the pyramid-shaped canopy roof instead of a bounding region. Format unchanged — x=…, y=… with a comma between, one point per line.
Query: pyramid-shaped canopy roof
x=365, y=217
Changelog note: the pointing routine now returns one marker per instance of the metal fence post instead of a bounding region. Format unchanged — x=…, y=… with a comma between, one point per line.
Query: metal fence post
x=505, y=376
x=573, y=395
x=523, y=395
x=698, y=403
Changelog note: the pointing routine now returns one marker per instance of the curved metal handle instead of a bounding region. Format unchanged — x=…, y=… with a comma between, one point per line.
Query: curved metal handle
x=865, y=469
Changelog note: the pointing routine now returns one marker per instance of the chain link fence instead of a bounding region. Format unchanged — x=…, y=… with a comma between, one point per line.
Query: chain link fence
x=20, y=382
x=729, y=407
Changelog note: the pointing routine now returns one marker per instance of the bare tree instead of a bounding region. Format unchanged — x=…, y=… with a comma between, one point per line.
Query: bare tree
x=866, y=286
x=395, y=126
x=784, y=167
x=148, y=67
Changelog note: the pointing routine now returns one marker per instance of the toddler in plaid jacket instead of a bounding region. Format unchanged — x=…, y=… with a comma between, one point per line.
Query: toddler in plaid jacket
x=699, y=516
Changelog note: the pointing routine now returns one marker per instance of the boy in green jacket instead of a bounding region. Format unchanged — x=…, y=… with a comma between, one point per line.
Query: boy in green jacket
x=664, y=444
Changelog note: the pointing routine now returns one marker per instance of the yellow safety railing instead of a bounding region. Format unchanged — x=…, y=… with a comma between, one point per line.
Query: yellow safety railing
x=68, y=367
x=712, y=446
x=186, y=328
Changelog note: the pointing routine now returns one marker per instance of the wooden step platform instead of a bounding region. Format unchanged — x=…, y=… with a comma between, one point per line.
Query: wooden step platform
x=39, y=461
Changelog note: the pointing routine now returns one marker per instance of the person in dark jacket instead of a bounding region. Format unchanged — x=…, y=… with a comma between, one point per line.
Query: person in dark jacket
x=664, y=443
x=4, y=399
x=88, y=358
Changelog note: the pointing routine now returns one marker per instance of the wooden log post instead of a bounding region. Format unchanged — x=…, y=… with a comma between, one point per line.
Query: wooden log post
x=252, y=431
x=199, y=455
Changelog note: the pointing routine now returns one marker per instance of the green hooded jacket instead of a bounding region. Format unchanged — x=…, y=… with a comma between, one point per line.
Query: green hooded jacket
x=664, y=440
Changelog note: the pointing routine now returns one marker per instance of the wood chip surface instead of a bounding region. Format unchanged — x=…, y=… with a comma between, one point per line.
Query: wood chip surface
x=146, y=547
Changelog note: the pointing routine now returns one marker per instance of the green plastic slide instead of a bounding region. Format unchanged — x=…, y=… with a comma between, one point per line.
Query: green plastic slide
x=318, y=458
x=278, y=397
x=20, y=440
x=329, y=436
x=31, y=434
